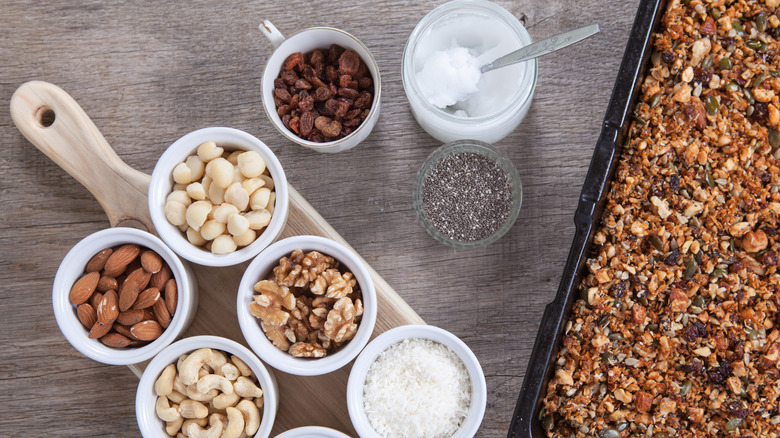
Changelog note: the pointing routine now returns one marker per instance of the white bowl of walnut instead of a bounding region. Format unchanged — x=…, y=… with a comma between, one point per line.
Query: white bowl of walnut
x=307, y=305
x=115, y=307
x=218, y=196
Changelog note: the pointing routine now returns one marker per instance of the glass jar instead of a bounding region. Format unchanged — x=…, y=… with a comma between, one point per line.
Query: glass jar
x=467, y=147
x=504, y=95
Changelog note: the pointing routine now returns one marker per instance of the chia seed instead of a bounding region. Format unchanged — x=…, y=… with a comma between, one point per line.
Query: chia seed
x=466, y=196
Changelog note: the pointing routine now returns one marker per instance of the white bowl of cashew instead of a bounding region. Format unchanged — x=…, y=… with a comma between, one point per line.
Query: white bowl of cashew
x=158, y=375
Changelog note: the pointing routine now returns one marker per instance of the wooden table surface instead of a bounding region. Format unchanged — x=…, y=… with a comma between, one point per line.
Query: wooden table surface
x=149, y=72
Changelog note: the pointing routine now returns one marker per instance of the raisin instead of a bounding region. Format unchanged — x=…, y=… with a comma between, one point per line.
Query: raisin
x=736, y=409
x=302, y=84
x=770, y=258
x=331, y=74
x=702, y=75
x=331, y=106
x=294, y=60
x=295, y=124
x=344, y=81
x=349, y=62
x=760, y=111
x=674, y=182
x=283, y=110
x=349, y=93
x=322, y=94
x=344, y=105
x=307, y=122
x=365, y=82
x=351, y=123
x=317, y=58
x=306, y=104
x=328, y=126
x=288, y=77
x=334, y=52
x=279, y=83
x=668, y=57
x=673, y=257
x=286, y=120
x=619, y=289
x=283, y=94
x=353, y=114
x=295, y=100
x=364, y=101
x=691, y=334
x=695, y=367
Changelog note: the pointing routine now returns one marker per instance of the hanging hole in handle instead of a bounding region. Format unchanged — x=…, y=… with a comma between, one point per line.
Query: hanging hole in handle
x=45, y=116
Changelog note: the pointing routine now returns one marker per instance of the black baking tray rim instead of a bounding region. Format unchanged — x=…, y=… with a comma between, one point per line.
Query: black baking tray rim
x=525, y=422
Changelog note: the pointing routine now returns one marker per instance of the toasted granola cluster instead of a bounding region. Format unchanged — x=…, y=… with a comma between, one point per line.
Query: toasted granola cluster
x=677, y=332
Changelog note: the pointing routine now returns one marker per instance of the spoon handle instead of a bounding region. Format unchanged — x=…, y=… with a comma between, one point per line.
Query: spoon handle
x=543, y=47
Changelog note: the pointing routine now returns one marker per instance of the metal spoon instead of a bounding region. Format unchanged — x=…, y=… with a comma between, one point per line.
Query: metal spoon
x=542, y=47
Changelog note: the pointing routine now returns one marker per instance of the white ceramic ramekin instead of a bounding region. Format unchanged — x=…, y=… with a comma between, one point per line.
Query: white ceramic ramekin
x=145, y=398
x=72, y=268
x=263, y=264
x=161, y=186
x=312, y=432
x=306, y=41
x=357, y=376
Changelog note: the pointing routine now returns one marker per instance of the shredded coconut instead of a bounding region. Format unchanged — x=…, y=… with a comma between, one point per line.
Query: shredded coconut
x=417, y=388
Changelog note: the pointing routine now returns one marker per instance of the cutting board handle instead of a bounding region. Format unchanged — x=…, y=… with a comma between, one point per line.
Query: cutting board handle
x=52, y=121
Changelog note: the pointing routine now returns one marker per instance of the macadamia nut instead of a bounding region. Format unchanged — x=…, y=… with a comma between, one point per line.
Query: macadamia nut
x=221, y=200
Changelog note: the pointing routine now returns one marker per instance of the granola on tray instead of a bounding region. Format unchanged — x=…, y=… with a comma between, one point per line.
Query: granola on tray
x=677, y=332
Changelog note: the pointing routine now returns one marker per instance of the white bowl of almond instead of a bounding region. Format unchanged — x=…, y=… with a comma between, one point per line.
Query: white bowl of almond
x=121, y=295
x=206, y=386
x=218, y=196
x=307, y=305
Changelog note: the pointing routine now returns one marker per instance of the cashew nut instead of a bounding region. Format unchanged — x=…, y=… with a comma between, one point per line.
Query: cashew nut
x=164, y=384
x=214, y=381
x=164, y=410
x=172, y=427
x=241, y=365
x=176, y=397
x=230, y=371
x=193, y=409
x=222, y=401
x=216, y=360
x=247, y=388
x=194, y=394
x=213, y=431
x=259, y=402
x=235, y=423
x=189, y=367
x=178, y=385
x=251, y=414
x=202, y=422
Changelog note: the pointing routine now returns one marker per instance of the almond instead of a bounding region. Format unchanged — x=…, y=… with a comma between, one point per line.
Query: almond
x=106, y=284
x=146, y=330
x=131, y=287
x=130, y=317
x=94, y=300
x=86, y=314
x=171, y=295
x=151, y=261
x=98, y=330
x=147, y=298
x=161, y=313
x=115, y=340
x=161, y=277
x=98, y=261
x=83, y=288
x=123, y=330
x=119, y=260
x=107, y=310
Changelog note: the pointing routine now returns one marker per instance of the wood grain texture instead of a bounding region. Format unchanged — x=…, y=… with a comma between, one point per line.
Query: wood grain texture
x=147, y=73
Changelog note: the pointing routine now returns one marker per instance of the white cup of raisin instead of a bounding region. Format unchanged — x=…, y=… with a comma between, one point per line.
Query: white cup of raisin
x=321, y=88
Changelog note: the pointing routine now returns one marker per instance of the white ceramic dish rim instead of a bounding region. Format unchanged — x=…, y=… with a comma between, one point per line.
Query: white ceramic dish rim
x=250, y=325
x=151, y=426
x=357, y=376
x=312, y=432
x=71, y=268
x=162, y=182
x=267, y=85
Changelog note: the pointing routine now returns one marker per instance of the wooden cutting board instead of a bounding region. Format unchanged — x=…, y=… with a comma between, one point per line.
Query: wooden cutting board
x=55, y=123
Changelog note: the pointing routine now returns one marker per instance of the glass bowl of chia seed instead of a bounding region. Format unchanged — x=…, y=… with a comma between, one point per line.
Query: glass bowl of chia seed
x=467, y=194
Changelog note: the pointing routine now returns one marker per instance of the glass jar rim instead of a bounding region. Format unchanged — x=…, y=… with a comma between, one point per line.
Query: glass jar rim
x=522, y=94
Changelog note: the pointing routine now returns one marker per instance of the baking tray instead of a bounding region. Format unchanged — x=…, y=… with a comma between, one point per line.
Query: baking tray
x=615, y=127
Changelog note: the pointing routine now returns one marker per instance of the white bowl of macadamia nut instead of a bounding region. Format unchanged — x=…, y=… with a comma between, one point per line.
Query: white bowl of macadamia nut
x=121, y=295
x=307, y=305
x=218, y=196
x=206, y=386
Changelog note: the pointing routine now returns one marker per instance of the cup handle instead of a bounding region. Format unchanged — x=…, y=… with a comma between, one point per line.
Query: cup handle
x=271, y=32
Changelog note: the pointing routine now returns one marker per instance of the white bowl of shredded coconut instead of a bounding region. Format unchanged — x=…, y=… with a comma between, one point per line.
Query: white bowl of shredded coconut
x=416, y=381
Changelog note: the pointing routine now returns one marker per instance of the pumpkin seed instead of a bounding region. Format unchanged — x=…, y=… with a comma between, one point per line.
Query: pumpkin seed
x=715, y=12
x=685, y=388
x=547, y=423
x=759, y=80
x=708, y=175
x=606, y=358
x=775, y=73
x=774, y=138
x=733, y=86
x=761, y=21
x=712, y=104
x=754, y=44
x=707, y=63
x=640, y=120
x=725, y=63
x=610, y=433
x=655, y=100
x=737, y=26
x=748, y=96
x=718, y=272
x=699, y=302
x=751, y=333
x=732, y=424
x=656, y=241
x=643, y=301
x=690, y=268
x=623, y=425
x=653, y=327
x=615, y=337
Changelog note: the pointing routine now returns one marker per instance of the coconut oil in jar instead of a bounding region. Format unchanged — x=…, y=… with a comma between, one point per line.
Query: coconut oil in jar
x=449, y=97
